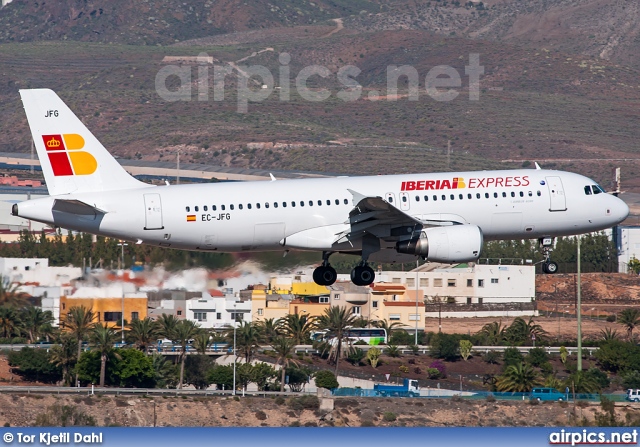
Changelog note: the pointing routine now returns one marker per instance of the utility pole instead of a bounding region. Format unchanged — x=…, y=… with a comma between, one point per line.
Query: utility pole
x=417, y=313
x=178, y=168
x=448, y=155
x=579, y=310
x=122, y=244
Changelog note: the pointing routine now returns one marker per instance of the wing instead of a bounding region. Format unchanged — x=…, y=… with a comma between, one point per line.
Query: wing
x=376, y=216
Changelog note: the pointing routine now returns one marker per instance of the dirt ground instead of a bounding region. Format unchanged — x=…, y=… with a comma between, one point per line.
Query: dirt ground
x=563, y=327
x=22, y=410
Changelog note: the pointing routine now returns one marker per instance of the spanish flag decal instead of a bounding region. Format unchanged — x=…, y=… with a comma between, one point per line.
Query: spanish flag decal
x=191, y=218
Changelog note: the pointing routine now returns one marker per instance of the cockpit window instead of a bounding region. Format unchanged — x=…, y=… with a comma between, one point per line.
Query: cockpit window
x=597, y=189
x=587, y=190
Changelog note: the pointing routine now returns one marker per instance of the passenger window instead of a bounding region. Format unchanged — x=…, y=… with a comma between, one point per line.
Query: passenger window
x=222, y=207
x=284, y=204
x=504, y=194
x=587, y=190
x=452, y=197
x=390, y=199
x=530, y=194
x=230, y=207
x=248, y=206
x=240, y=206
x=478, y=195
x=310, y=202
x=521, y=193
x=301, y=203
x=319, y=202
x=426, y=198
x=495, y=195
x=346, y=202
x=258, y=205
x=275, y=204
x=293, y=204
x=404, y=199
x=205, y=208
x=188, y=209
x=486, y=195
x=444, y=197
x=435, y=198
x=196, y=208
x=328, y=202
x=213, y=207
x=266, y=204
x=513, y=194
x=337, y=202
x=539, y=193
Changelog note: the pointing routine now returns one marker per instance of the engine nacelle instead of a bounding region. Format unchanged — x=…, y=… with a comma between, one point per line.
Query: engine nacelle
x=456, y=243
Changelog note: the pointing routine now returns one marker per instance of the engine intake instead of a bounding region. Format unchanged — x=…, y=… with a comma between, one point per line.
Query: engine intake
x=457, y=243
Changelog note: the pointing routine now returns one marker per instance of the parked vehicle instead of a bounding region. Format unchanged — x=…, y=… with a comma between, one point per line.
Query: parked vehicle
x=541, y=394
x=409, y=388
x=633, y=395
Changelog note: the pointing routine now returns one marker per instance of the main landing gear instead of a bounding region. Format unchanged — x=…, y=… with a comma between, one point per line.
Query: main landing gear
x=362, y=275
x=546, y=245
x=325, y=275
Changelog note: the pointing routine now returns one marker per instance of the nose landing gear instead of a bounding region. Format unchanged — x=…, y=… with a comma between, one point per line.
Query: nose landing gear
x=546, y=245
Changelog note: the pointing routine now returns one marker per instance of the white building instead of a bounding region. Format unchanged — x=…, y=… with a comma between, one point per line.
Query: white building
x=36, y=271
x=628, y=246
x=217, y=312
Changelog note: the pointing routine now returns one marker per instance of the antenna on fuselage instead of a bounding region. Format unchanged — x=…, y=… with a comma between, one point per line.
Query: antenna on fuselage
x=538, y=168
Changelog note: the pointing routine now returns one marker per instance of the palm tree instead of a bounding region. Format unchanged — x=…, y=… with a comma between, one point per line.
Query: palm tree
x=184, y=331
x=283, y=348
x=629, y=319
x=494, y=333
x=389, y=327
x=248, y=339
x=201, y=342
x=336, y=320
x=9, y=294
x=143, y=333
x=35, y=321
x=608, y=334
x=522, y=331
x=581, y=382
x=270, y=328
x=167, y=324
x=63, y=355
x=79, y=322
x=9, y=321
x=297, y=326
x=103, y=338
x=518, y=378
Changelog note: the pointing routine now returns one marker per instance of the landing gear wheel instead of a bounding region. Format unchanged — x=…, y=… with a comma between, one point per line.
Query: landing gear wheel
x=363, y=275
x=550, y=267
x=325, y=275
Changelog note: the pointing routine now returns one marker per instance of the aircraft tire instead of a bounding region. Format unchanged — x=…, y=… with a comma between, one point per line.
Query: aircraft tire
x=362, y=275
x=328, y=276
x=550, y=267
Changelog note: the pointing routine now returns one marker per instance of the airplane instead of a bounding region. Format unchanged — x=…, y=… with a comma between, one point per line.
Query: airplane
x=439, y=217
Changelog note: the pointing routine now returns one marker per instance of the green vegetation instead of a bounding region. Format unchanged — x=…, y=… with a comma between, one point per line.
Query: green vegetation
x=326, y=379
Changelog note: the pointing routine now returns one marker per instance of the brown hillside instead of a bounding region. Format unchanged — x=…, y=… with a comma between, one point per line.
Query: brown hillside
x=156, y=21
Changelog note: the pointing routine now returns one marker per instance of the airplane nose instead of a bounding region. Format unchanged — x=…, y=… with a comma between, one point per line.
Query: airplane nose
x=620, y=210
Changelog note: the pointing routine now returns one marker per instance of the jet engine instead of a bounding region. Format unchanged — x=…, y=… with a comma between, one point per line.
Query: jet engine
x=456, y=243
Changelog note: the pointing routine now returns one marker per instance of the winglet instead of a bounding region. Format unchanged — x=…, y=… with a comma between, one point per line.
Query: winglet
x=273, y=179
x=538, y=168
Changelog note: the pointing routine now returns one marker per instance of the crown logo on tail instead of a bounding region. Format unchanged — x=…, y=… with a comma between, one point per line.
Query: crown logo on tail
x=65, y=155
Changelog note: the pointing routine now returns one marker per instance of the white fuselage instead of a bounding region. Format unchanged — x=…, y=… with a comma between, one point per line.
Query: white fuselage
x=259, y=216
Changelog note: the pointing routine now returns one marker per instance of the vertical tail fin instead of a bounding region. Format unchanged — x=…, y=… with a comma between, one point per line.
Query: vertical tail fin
x=72, y=159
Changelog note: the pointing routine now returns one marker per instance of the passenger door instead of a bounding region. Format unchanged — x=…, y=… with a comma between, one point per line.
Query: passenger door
x=152, y=212
x=556, y=194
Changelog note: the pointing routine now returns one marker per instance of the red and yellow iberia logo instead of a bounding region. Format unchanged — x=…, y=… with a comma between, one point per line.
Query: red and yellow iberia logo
x=65, y=155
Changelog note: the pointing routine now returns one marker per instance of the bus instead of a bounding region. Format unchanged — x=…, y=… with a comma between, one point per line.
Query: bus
x=370, y=336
